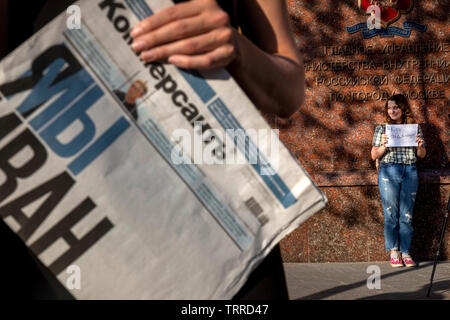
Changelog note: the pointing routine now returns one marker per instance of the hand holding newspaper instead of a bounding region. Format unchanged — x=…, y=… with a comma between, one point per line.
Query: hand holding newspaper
x=157, y=182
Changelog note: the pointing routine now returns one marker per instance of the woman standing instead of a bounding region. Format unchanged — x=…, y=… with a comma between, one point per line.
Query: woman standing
x=397, y=181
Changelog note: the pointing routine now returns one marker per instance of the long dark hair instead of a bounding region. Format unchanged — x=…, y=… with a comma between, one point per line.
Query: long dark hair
x=402, y=103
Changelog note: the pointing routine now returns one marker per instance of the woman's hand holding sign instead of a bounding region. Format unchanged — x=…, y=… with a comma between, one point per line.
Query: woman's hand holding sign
x=421, y=151
x=377, y=152
x=384, y=140
x=419, y=141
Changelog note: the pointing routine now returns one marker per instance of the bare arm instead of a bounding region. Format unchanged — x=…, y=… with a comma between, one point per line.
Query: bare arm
x=197, y=35
x=377, y=152
x=270, y=69
x=421, y=152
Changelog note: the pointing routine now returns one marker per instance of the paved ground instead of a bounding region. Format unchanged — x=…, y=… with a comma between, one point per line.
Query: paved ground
x=348, y=281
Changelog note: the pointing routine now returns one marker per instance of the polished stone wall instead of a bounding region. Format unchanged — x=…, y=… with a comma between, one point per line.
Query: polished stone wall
x=349, y=75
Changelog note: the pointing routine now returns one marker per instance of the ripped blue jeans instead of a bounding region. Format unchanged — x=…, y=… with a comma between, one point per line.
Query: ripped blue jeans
x=398, y=185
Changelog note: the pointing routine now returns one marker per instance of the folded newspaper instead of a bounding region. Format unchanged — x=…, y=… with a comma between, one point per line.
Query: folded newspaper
x=151, y=181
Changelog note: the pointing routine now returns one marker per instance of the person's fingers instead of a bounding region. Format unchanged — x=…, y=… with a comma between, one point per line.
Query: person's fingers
x=167, y=15
x=180, y=29
x=194, y=45
x=217, y=58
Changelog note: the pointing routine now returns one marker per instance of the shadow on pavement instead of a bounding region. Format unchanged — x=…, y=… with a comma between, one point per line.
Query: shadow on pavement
x=339, y=289
x=419, y=294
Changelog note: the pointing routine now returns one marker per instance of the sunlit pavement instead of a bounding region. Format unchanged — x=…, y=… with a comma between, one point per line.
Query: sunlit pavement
x=353, y=281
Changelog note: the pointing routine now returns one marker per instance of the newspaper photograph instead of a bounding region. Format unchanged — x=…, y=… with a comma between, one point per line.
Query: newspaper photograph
x=156, y=182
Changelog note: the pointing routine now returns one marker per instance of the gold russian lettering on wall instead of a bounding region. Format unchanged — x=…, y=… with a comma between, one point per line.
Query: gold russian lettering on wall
x=388, y=64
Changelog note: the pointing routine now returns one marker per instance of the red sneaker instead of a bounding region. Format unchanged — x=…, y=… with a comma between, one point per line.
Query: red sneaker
x=409, y=262
x=396, y=262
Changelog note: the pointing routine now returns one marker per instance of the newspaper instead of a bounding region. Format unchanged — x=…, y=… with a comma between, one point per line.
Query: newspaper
x=100, y=173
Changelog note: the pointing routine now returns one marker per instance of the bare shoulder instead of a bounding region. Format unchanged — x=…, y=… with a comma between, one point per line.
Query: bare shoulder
x=266, y=23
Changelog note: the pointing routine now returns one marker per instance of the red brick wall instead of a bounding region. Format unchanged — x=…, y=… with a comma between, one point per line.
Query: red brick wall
x=332, y=136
